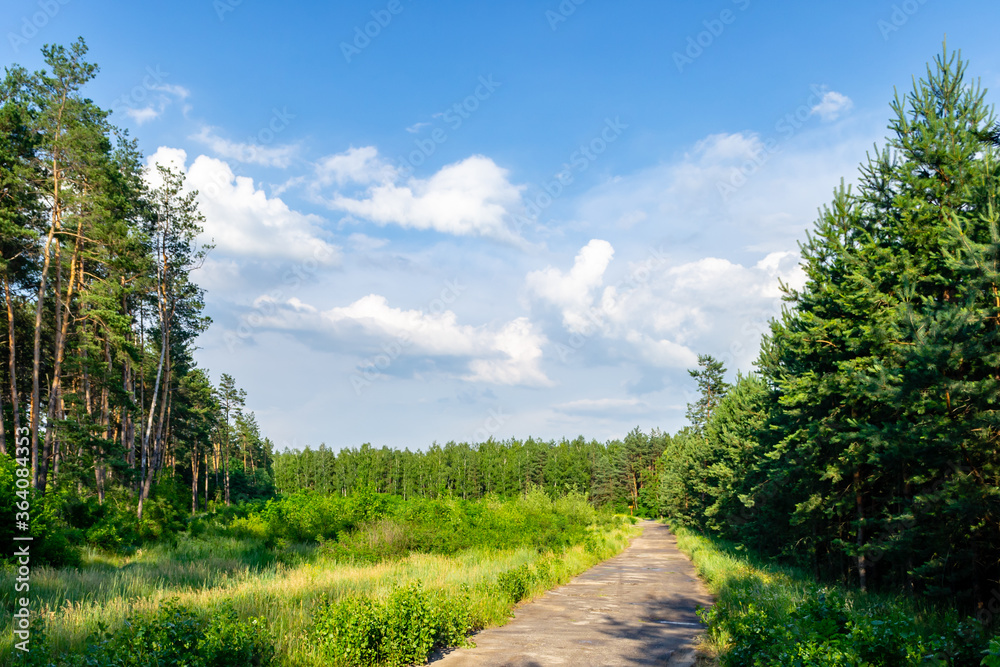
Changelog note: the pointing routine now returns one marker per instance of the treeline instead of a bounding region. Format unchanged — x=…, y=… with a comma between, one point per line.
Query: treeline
x=99, y=393
x=867, y=444
x=621, y=473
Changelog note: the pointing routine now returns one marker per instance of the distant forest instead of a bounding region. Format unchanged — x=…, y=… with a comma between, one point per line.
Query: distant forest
x=620, y=473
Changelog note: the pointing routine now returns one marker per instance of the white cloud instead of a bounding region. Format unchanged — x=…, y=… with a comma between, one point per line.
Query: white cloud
x=366, y=243
x=472, y=197
x=573, y=291
x=735, y=192
x=180, y=92
x=509, y=355
x=251, y=153
x=144, y=114
x=355, y=165
x=416, y=127
x=520, y=351
x=240, y=218
x=832, y=105
x=630, y=219
x=160, y=97
x=661, y=314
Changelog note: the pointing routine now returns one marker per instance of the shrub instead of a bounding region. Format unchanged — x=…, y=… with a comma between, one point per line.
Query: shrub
x=402, y=629
x=175, y=635
x=515, y=584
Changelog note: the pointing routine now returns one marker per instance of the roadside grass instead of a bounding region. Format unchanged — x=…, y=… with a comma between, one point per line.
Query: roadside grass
x=289, y=587
x=769, y=614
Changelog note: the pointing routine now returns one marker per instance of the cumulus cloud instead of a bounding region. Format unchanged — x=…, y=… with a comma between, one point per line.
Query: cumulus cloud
x=355, y=165
x=240, y=219
x=832, y=105
x=660, y=313
x=279, y=155
x=472, y=197
x=508, y=355
x=573, y=291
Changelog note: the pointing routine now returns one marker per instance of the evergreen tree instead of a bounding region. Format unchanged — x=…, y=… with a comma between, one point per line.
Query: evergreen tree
x=712, y=388
x=885, y=366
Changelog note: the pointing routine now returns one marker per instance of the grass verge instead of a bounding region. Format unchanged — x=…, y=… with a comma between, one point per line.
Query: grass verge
x=767, y=614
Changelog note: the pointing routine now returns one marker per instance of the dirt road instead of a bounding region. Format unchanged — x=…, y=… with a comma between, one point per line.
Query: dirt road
x=637, y=608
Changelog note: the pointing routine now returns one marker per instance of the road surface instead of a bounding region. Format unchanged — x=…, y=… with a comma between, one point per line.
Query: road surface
x=637, y=608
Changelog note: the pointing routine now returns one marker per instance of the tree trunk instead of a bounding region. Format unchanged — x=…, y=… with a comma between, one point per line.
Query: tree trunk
x=12, y=364
x=225, y=469
x=194, y=478
x=153, y=457
x=38, y=476
x=206, y=480
x=50, y=414
x=859, y=503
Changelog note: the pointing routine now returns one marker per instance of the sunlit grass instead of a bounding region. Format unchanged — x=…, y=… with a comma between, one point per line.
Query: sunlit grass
x=745, y=586
x=283, y=585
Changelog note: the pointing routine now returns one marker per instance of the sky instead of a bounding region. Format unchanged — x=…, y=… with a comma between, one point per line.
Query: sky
x=456, y=221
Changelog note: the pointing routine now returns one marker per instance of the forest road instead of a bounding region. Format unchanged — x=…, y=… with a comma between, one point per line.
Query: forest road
x=637, y=608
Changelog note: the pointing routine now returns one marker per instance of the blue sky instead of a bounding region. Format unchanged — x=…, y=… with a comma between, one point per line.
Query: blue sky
x=453, y=221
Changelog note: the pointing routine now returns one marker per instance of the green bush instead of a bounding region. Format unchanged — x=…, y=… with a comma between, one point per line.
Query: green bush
x=402, y=629
x=369, y=527
x=174, y=635
x=516, y=584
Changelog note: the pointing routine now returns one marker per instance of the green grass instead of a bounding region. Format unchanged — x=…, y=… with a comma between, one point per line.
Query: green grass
x=768, y=614
x=288, y=585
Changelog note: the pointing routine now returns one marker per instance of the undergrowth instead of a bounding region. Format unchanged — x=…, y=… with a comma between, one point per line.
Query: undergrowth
x=767, y=614
x=368, y=595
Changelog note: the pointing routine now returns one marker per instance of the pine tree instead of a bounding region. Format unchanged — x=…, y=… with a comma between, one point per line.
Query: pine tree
x=712, y=388
x=885, y=364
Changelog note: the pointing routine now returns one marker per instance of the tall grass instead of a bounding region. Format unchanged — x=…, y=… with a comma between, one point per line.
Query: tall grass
x=287, y=584
x=769, y=614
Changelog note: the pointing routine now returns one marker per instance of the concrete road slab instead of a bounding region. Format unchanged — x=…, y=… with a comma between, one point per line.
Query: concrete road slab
x=637, y=608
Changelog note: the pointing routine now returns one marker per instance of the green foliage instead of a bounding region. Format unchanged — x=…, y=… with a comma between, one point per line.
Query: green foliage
x=53, y=540
x=172, y=636
x=712, y=388
x=992, y=652
x=370, y=527
x=399, y=630
x=617, y=474
x=867, y=445
x=516, y=584
x=766, y=615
